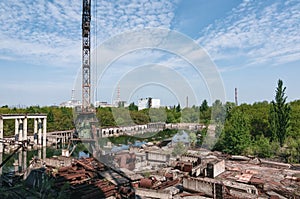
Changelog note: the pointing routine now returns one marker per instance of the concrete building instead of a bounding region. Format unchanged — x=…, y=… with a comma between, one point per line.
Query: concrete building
x=157, y=157
x=216, y=188
x=149, y=102
x=210, y=187
x=125, y=159
x=103, y=104
x=215, y=168
x=155, y=103
x=71, y=104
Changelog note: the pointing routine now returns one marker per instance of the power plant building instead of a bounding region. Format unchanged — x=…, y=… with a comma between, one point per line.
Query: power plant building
x=149, y=102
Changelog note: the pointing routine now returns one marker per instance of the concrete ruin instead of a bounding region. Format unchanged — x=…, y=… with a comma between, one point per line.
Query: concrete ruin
x=21, y=127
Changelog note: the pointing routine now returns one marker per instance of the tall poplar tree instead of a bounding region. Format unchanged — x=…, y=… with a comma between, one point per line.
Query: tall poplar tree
x=279, y=114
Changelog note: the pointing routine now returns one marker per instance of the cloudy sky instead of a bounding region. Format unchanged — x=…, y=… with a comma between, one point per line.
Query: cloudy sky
x=251, y=43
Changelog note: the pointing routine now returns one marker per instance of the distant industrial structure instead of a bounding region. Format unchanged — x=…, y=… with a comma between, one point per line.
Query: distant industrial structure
x=149, y=102
x=114, y=104
x=71, y=103
x=236, y=96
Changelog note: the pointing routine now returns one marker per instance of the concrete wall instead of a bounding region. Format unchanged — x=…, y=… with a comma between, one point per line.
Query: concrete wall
x=140, y=160
x=152, y=193
x=189, y=158
x=150, y=127
x=219, y=167
x=196, y=171
x=215, y=168
x=204, y=185
x=208, y=186
x=58, y=162
x=241, y=190
x=157, y=156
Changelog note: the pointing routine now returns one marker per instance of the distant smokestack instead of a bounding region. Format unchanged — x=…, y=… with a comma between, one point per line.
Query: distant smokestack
x=236, y=96
x=118, y=94
x=73, y=95
x=187, y=101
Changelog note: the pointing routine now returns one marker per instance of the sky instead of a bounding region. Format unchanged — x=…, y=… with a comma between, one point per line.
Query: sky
x=251, y=44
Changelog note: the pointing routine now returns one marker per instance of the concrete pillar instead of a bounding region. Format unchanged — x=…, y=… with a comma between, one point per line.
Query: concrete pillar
x=20, y=160
x=44, y=132
x=1, y=159
x=62, y=138
x=40, y=153
x=25, y=129
x=16, y=129
x=40, y=132
x=20, y=129
x=1, y=137
x=44, y=153
x=16, y=166
x=24, y=160
x=35, y=130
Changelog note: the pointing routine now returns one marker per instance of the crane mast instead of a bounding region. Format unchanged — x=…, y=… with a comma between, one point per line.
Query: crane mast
x=86, y=55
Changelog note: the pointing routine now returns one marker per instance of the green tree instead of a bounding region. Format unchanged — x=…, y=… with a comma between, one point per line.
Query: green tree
x=178, y=108
x=292, y=150
x=279, y=115
x=262, y=148
x=259, y=119
x=132, y=107
x=105, y=117
x=193, y=138
x=228, y=107
x=170, y=116
x=236, y=135
x=218, y=113
x=179, y=149
x=189, y=115
x=204, y=106
x=140, y=117
x=157, y=115
x=294, y=130
x=173, y=114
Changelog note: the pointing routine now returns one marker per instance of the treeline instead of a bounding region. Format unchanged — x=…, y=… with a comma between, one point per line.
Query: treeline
x=263, y=129
x=111, y=116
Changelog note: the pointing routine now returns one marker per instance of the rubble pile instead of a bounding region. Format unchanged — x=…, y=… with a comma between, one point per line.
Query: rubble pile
x=85, y=179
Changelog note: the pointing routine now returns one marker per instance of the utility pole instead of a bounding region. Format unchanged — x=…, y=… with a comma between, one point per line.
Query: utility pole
x=86, y=55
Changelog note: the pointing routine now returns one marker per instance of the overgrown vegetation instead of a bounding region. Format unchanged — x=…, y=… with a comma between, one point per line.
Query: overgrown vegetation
x=267, y=130
x=264, y=129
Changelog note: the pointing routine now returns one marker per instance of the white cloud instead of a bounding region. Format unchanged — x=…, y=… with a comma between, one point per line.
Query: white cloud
x=50, y=31
x=40, y=32
x=258, y=32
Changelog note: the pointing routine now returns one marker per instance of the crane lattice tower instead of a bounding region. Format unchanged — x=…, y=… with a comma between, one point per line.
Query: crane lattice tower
x=86, y=55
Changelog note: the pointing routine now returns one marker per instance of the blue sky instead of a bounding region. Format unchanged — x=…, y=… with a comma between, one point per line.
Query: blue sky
x=252, y=43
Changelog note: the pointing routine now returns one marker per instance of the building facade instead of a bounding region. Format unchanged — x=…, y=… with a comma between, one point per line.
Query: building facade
x=148, y=102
